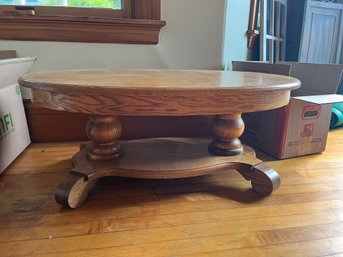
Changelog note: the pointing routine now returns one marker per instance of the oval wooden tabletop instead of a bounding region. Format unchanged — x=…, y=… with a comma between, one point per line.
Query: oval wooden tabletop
x=157, y=80
x=159, y=92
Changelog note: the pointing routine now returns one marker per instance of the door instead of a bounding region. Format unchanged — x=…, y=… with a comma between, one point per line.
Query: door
x=322, y=33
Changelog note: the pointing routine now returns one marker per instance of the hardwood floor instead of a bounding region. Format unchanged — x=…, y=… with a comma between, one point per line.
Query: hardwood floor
x=215, y=215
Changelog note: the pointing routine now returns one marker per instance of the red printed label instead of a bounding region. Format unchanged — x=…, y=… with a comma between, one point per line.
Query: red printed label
x=308, y=130
x=311, y=112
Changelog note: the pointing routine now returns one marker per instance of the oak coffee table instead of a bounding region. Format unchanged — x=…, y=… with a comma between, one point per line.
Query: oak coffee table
x=104, y=94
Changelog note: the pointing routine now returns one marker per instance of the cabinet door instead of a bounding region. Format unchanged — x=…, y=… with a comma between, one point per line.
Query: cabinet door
x=322, y=33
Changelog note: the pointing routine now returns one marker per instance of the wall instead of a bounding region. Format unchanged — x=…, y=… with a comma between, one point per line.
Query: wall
x=192, y=39
x=235, y=36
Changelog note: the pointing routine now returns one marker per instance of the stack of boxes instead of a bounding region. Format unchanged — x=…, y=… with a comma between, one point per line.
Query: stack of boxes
x=301, y=127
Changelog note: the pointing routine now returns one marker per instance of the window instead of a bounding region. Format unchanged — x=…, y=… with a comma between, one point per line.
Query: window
x=77, y=8
x=273, y=30
x=106, y=21
x=112, y=4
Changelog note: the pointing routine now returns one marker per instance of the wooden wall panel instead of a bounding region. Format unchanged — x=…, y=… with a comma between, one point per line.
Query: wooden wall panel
x=47, y=125
x=6, y=54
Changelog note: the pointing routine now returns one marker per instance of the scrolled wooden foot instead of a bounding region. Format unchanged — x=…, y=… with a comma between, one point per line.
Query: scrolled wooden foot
x=264, y=180
x=73, y=190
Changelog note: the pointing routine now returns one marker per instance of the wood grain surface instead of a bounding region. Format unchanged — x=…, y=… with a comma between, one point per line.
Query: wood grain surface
x=162, y=158
x=46, y=125
x=138, y=23
x=227, y=129
x=149, y=79
x=213, y=215
x=158, y=92
x=104, y=131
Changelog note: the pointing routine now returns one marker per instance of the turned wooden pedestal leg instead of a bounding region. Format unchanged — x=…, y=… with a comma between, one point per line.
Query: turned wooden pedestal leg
x=104, y=132
x=181, y=158
x=227, y=129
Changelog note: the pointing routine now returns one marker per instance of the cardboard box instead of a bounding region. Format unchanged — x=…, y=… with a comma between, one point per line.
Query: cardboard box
x=301, y=127
x=14, y=134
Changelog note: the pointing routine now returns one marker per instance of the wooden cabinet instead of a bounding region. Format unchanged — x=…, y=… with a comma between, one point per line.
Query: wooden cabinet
x=322, y=33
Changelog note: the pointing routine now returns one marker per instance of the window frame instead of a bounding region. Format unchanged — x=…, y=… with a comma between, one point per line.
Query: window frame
x=277, y=50
x=138, y=23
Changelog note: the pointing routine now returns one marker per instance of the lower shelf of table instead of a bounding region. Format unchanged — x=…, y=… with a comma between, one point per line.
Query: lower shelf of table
x=161, y=158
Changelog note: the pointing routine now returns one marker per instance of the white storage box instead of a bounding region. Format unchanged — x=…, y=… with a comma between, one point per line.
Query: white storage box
x=14, y=133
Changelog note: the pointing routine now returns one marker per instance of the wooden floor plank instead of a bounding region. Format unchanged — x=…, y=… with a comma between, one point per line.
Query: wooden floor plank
x=215, y=215
x=261, y=243
x=315, y=248
x=162, y=221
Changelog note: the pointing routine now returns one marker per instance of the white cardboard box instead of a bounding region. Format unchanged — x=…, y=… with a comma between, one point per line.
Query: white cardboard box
x=14, y=133
x=301, y=127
